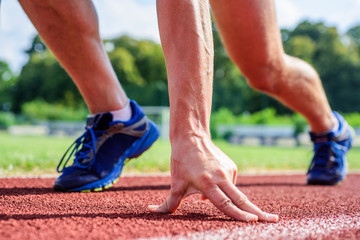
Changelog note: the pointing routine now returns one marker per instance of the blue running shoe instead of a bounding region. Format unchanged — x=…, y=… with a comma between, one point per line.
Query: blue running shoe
x=329, y=165
x=101, y=152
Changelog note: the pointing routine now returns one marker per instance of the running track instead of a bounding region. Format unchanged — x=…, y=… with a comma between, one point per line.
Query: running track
x=30, y=209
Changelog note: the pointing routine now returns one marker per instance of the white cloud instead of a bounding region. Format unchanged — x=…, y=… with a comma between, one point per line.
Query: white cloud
x=128, y=17
x=16, y=33
x=288, y=13
x=341, y=14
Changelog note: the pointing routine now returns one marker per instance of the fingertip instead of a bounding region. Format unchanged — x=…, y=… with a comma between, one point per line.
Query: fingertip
x=268, y=217
x=251, y=218
x=154, y=208
x=272, y=217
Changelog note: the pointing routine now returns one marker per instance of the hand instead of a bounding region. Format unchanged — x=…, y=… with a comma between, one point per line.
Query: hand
x=197, y=165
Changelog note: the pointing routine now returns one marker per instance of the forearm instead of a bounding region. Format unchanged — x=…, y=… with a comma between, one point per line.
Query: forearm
x=186, y=37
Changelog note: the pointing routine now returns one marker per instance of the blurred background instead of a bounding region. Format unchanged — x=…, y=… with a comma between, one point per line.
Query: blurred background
x=40, y=106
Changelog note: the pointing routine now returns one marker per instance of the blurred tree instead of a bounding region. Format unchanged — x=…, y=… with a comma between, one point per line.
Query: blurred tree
x=148, y=57
x=37, y=46
x=140, y=67
x=354, y=34
x=302, y=47
x=125, y=67
x=7, y=85
x=336, y=62
x=42, y=77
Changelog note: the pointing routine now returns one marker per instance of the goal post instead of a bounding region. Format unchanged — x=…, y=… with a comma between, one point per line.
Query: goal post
x=161, y=117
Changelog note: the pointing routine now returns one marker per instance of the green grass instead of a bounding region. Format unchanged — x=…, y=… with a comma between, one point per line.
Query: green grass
x=40, y=155
x=266, y=158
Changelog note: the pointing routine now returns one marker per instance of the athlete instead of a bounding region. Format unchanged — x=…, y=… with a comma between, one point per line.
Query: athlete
x=118, y=130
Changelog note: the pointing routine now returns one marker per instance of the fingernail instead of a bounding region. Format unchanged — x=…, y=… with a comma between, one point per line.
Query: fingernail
x=271, y=217
x=251, y=218
x=153, y=207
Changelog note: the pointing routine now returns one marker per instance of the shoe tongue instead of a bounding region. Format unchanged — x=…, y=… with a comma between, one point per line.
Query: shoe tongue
x=99, y=121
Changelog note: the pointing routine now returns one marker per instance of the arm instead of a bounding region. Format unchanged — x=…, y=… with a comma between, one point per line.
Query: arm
x=197, y=165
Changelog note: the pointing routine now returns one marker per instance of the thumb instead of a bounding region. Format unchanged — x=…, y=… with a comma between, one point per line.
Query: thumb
x=169, y=206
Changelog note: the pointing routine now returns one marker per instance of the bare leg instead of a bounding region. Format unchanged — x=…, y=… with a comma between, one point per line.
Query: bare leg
x=252, y=38
x=197, y=165
x=70, y=29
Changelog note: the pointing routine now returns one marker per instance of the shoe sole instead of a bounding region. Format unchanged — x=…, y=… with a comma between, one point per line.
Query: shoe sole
x=325, y=183
x=137, y=148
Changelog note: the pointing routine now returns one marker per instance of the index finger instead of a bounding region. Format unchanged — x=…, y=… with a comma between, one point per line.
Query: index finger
x=242, y=202
x=224, y=204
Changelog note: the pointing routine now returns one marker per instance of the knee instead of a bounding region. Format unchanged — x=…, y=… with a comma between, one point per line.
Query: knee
x=76, y=16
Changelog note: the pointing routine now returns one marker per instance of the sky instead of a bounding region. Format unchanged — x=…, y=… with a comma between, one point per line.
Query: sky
x=137, y=18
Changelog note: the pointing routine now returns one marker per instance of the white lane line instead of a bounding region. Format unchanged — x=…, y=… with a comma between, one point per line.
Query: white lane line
x=315, y=228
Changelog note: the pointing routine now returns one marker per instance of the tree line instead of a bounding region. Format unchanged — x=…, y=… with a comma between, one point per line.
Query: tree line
x=140, y=67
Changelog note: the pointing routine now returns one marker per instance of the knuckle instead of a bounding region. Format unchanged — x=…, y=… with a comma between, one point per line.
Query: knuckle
x=177, y=190
x=234, y=167
x=225, y=203
x=166, y=206
x=221, y=173
x=206, y=180
x=177, y=193
x=242, y=200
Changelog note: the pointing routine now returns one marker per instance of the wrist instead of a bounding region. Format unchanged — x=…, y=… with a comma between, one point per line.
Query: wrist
x=188, y=121
x=188, y=135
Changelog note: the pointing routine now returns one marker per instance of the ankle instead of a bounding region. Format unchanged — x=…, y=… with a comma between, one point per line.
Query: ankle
x=124, y=114
x=331, y=124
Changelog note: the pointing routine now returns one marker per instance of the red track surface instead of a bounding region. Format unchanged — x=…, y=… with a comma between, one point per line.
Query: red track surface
x=29, y=209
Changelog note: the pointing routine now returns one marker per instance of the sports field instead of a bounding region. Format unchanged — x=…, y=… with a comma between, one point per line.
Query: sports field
x=40, y=155
x=30, y=209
